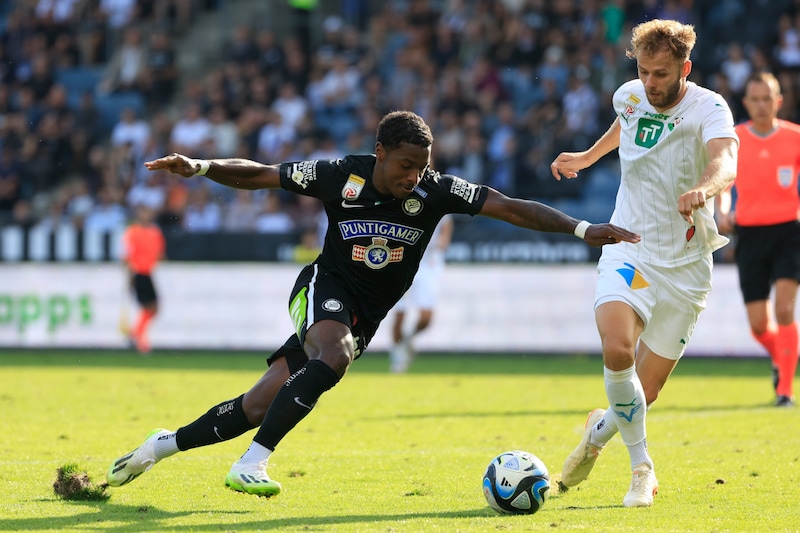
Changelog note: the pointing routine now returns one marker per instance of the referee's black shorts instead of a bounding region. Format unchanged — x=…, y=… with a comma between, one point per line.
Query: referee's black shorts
x=144, y=289
x=765, y=254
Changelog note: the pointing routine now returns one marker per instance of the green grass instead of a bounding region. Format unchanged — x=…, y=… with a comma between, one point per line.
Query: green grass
x=392, y=453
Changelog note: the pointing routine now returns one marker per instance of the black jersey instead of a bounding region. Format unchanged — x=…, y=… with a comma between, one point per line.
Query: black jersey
x=374, y=243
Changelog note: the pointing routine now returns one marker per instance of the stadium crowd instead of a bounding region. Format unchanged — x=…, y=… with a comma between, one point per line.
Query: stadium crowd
x=505, y=85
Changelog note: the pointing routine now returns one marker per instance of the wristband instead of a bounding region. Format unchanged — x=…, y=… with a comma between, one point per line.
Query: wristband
x=204, y=165
x=580, y=229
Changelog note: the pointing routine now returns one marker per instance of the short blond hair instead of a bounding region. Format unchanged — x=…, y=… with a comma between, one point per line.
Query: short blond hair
x=658, y=35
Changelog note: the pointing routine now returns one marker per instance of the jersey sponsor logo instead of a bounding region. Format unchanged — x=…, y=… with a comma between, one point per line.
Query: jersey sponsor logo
x=633, y=277
x=303, y=172
x=785, y=176
x=332, y=305
x=648, y=132
x=464, y=189
x=690, y=233
x=377, y=255
x=412, y=206
x=352, y=189
x=657, y=116
x=351, y=229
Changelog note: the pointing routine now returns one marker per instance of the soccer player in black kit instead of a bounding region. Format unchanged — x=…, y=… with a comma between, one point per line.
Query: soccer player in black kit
x=382, y=209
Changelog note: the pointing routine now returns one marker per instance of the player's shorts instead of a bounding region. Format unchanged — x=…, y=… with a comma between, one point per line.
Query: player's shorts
x=765, y=254
x=424, y=292
x=318, y=295
x=144, y=289
x=668, y=300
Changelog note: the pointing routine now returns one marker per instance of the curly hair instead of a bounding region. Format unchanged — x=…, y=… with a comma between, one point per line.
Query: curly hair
x=658, y=35
x=403, y=127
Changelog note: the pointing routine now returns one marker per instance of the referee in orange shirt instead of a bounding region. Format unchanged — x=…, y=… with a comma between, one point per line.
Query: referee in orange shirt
x=143, y=248
x=767, y=222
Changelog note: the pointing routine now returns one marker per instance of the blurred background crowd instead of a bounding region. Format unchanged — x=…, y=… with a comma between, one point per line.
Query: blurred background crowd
x=90, y=89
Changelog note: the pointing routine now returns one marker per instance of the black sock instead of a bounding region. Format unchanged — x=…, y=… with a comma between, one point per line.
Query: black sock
x=294, y=401
x=223, y=422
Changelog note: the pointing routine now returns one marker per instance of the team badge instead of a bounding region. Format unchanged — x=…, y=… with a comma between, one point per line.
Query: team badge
x=785, y=176
x=648, y=132
x=377, y=255
x=352, y=189
x=303, y=172
x=332, y=305
x=412, y=206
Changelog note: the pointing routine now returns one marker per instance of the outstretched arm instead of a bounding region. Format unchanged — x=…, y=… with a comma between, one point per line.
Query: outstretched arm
x=541, y=217
x=236, y=173
x=720, y=172
x=568, y=164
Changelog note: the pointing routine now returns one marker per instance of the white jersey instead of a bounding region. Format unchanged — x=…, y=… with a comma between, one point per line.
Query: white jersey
x=663, y=155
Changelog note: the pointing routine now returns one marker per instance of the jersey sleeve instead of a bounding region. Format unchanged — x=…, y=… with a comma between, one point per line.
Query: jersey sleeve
x=461, y=196
x=311, y=178
x=718, y=122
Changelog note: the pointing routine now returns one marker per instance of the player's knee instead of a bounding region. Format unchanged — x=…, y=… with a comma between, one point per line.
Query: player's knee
x=338, y=359
x=618, y=353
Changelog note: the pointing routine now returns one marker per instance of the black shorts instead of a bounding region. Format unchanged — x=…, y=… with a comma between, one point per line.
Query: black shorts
x=765, y=254
x=317, y=295
x=144, y=289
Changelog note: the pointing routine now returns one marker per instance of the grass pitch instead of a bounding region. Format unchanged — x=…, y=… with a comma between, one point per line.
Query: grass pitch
x=392, y=453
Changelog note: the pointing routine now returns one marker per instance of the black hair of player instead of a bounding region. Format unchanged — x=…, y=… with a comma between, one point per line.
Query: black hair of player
x=400, y=127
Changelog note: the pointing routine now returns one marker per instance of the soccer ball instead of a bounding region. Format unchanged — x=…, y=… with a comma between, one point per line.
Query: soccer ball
x=516, y=482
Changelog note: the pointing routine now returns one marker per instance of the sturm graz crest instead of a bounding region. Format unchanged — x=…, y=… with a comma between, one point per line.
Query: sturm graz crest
x=378, y=254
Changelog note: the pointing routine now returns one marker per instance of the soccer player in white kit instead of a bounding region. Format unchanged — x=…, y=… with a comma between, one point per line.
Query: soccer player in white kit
x=420, y=297
x=677, y=149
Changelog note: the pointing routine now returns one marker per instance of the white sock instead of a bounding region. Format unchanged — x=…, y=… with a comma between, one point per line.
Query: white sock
x=255, y=453
x=165, y=446
x=603, y=431
x=626, y=400
x=639, y=455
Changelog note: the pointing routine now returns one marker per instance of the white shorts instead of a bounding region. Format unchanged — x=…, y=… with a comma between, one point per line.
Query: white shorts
x=668, y=300
x=425, y=290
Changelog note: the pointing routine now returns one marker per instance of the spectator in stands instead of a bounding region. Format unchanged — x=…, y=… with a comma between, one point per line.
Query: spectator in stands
x=202, y=214
x=160, y=74
x=108, y=215
x=191, y=131
x=131, y=129
x=273, y=218
x=125, y=71
x=151, y=192
x=240, y=214
x=290, y=105
x=241, y=48
x=119, y=13
x=10, y=191
x=224, y=135
x=274, y=136
x=79, y=201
